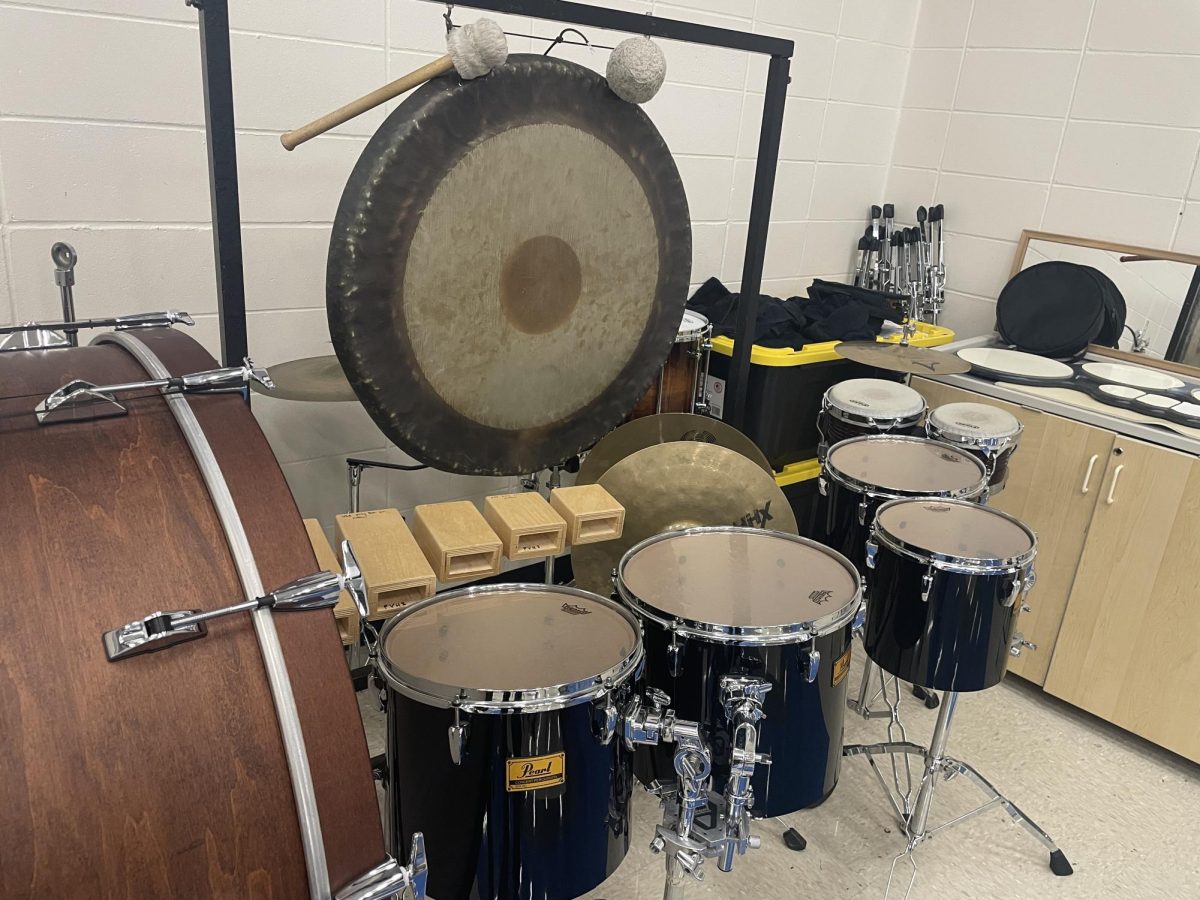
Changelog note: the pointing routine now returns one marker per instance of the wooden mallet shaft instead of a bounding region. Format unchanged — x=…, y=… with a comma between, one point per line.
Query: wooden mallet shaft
x=440, y=66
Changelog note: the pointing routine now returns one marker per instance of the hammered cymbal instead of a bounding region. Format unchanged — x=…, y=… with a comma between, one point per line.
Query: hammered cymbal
x=902, y=358
x=665, y=428
x=678, y=485
x=316, y=379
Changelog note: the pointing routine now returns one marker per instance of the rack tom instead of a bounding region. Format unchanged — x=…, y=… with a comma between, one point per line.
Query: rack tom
x=862, y=473
x=947, y=579
x=988, y=432
x=682, y=383
x=497, y=738
x=862, y=406
x=744, y=602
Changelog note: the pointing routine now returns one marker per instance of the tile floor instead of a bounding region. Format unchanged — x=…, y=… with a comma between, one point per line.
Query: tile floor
x=1126, y=813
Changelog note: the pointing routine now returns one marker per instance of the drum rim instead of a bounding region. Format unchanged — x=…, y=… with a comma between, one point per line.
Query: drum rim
x=696, y=334
x=994, y=445
x=741, y=635
x=874, y=490
x=972, y=565
x=503, y=702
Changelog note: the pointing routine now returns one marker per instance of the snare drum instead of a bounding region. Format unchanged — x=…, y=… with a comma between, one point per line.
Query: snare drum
x=530, y=798
x=946, y=579
x=739, y=601
x=682, y=384
x=863, y=472
x=988, y=432
x=862, y=406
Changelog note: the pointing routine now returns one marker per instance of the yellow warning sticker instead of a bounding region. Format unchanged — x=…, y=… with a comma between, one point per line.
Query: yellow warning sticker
x=533, y=772
x=841, y=667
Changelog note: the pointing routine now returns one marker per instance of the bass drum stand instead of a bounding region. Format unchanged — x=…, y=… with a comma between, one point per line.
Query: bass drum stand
x=913, y=816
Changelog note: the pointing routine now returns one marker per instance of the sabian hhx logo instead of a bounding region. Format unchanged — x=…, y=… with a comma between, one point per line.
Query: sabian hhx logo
x=820, y=597
x=756, y=519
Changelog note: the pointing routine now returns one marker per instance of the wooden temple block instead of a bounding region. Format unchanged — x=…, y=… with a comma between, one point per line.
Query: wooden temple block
x=345, y=613
x=394, y=568
x=457, y=540
x=526, y=524
x=592, y=513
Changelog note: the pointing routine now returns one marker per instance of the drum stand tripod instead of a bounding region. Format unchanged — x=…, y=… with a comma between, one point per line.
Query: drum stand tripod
x=913, y=813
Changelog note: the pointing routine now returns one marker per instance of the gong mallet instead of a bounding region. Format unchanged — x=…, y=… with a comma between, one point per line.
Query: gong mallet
x=471, y=51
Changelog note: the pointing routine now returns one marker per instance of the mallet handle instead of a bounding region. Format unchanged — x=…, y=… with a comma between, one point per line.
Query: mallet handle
x=293, y=139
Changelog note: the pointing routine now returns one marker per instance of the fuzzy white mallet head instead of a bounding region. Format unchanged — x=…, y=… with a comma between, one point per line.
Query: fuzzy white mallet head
x=636, y=69
x=477, y=48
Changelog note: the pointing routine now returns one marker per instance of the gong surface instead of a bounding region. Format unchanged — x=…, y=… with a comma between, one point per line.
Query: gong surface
x=508, y=268
x=664, y=429
x=679, y=485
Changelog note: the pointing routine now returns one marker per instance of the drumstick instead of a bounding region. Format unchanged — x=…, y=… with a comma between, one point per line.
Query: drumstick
x=472, y=51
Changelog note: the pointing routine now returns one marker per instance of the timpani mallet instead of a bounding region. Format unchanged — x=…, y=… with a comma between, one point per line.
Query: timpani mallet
x=472, y=51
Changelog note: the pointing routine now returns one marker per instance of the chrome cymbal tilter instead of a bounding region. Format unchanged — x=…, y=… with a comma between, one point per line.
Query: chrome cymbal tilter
x=49, y=335
x=392, y=881
x=687, y=842
x=81, y=401
x=161, y=630
x=914, y=820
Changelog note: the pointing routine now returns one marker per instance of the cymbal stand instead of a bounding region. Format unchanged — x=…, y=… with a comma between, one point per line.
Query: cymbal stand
x=914, y=818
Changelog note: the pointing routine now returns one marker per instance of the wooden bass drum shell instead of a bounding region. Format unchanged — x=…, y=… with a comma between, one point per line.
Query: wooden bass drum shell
x=162, y=775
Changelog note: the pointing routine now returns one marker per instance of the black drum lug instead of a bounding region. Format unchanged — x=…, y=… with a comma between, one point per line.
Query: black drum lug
x=926, y=584
x=458, y=734
x=812, y=665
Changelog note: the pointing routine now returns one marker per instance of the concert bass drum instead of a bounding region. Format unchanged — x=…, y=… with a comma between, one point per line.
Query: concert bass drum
x=162, y=774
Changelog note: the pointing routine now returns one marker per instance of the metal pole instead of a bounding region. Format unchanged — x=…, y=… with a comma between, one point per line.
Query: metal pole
x=756, y=237
x=217, y=71
x=933, y=764
x=674, y=889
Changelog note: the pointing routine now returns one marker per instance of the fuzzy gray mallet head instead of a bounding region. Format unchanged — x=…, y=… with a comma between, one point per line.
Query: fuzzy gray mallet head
x=477, y=48
x=636, y=69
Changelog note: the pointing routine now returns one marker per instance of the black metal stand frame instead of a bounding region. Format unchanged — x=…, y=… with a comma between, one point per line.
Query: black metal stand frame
x=217, y=74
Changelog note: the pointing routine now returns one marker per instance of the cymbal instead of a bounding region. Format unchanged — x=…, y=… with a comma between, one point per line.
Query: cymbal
x=317, y=378
x=682, y=484
x=902, y=358
x=663, y=429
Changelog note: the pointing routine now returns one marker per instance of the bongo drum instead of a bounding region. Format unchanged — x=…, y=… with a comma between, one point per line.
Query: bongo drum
x=862, y=406
x=988, y=432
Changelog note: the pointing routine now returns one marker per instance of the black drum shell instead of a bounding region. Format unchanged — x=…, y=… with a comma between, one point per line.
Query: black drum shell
x=803, y=728
x=837, y=521
x=484, y=843
x=957, y=640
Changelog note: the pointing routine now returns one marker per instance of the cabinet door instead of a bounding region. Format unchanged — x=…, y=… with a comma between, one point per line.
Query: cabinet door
x=1127, y=647
x=1049, y=490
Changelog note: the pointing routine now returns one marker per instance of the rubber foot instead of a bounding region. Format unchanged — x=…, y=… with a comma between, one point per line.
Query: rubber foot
x=1058, y=863
x=929, y=698
x=794, y=840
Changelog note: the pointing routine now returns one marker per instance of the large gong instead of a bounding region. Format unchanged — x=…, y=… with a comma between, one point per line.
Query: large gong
x=509, y=266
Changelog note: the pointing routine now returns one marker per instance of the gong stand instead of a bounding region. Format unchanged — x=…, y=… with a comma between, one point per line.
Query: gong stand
x=912, y=813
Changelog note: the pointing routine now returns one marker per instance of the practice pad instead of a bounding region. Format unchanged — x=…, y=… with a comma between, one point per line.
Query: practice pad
x=508, y=267
x=316, y=379
x=1133, y=376
x=679, y=485
x=999, y=363
x=901, y=358
x=663, y=429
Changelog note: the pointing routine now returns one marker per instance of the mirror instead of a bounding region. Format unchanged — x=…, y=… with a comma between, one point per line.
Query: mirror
x=1159, y=286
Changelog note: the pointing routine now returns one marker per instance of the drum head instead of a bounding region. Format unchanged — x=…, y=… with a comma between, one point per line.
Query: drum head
x=962, y=531
x=741, y=580
x=508, y=267
x=511, y=639
x=903, y=466
x=964, y=421
x=692, y=327
x=876, y=398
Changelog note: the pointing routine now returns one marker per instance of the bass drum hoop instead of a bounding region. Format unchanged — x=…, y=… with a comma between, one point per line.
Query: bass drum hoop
x=741, y=635
x=876, y=491
x=948, y=562
x=518, y=702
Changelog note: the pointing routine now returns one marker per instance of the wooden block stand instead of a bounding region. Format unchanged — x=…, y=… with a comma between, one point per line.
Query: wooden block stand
x=393, y=566
x=457, y=540
x=528, y=526
x=345, y=613
x=592, y=513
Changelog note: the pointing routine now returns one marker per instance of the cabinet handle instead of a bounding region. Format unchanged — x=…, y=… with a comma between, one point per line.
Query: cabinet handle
x=1112, y=488
x=1087, y=478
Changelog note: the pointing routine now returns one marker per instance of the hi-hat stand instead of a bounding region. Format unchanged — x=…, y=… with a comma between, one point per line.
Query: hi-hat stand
x=913, y=813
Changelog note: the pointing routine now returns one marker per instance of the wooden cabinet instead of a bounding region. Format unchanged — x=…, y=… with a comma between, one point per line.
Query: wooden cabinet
x=1128, y=648
x=1048, y=489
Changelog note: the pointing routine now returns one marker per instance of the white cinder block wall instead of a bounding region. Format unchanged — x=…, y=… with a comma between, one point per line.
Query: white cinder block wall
x=102, y=145
x=1073, y=116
